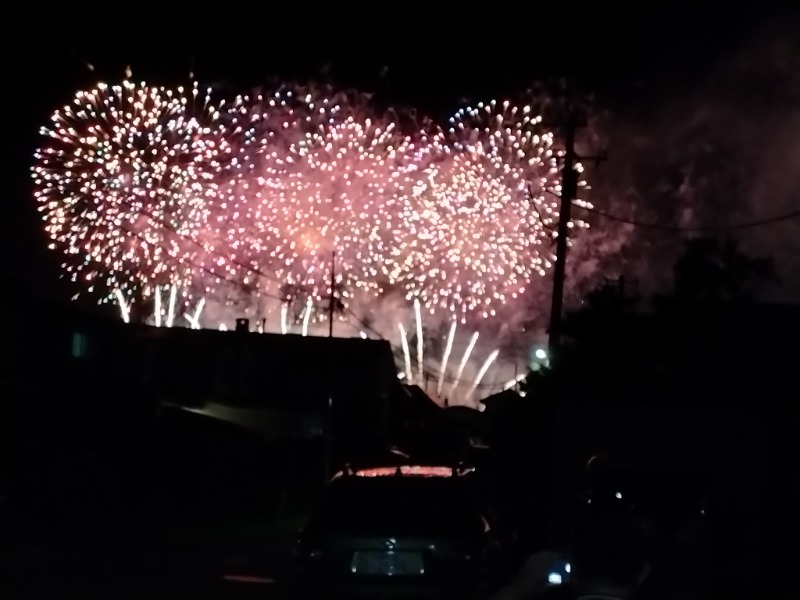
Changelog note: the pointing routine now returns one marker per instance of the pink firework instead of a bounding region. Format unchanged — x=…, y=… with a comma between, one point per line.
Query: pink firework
x=478, y=225
x=142, y=186
x=122, y=183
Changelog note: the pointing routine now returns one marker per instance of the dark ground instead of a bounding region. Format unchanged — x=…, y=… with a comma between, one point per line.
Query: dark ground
x=148, y=569
x=159, y=507
x=166, y=505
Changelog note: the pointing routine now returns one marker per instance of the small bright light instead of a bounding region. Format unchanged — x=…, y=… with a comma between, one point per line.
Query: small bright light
x=568, y=568
x=618, y=496
x=554, y=578
x=541, y=354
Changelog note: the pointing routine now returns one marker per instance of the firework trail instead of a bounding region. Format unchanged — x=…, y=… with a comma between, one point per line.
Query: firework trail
x=124, y=307
x=420, y=342
x=448, y=348
x=481, y=374
x=406, y=352
x=462, y=365
x=194, y=319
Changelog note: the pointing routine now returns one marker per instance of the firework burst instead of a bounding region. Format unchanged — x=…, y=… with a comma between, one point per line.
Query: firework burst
x=143, y=187
x=479, y=221
x=242, y=208
x=122, y=183
x=339, y=189
x=300, y=164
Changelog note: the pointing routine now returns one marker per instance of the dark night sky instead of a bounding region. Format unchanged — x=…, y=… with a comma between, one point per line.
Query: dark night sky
x=625, y=51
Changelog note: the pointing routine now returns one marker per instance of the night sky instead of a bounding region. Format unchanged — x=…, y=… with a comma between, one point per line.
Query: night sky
x=626, y=52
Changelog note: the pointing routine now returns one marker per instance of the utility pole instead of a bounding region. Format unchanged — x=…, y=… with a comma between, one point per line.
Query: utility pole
x=575, y=117
x=569, y=189
x=328, y=419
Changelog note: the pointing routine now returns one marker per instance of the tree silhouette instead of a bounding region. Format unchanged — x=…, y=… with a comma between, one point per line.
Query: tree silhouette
x=617, y=349
x=715, y=272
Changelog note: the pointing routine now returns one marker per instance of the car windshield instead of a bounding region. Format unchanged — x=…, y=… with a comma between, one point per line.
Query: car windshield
x=397, y=506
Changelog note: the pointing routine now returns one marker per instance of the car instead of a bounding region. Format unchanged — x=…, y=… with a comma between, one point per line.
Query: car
x=398, y=531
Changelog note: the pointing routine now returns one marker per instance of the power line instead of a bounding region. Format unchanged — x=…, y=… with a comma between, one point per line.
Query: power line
x=676, y=228
x=793, y=214
x=225, y=278
x=398, y=352
x=365, y=325
x=171, y=228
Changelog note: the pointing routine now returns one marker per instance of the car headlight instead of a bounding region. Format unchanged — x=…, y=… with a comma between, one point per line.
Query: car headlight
x=555, y=578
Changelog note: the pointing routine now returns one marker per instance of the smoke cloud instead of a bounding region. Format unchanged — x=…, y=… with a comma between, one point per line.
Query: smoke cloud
x=715, y=152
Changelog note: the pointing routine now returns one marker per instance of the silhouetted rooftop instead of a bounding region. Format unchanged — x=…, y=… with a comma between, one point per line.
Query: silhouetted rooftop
x=254, y=369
